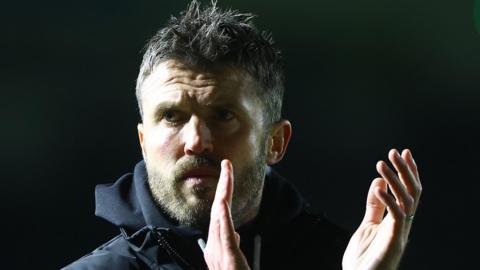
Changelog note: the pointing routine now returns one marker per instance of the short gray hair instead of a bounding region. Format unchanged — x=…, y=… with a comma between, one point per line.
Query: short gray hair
x=214, y=36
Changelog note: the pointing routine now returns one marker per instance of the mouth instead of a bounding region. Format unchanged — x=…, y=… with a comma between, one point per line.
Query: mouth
x=201, y=176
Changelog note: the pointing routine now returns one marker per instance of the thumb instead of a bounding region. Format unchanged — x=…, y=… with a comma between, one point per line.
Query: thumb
x=375, y=209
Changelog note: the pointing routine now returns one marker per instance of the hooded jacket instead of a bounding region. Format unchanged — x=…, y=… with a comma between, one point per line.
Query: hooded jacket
x=284, y=235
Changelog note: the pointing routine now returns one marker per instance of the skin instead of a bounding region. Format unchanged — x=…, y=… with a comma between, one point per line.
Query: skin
x=214, y=113
x=378, y=243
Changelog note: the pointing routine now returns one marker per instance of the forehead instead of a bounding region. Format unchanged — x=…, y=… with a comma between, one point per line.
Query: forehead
x=173, y=78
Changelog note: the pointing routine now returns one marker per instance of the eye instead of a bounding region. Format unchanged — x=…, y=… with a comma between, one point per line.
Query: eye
x=224, y=115
x=173, y=116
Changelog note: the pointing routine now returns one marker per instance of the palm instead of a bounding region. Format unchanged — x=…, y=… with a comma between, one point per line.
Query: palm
x=372, y=246
x=380, y=240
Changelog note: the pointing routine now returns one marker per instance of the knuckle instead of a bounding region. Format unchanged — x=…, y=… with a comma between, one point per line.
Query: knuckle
x=417, y=191
x=230, y=246
x=223, y=212
x=419, y=188
x=409, y=201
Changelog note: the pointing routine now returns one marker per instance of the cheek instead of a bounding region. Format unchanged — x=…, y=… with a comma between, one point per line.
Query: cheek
x=241, y=146
x=162, y=147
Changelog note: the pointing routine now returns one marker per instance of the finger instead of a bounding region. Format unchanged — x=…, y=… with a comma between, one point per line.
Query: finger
x=213, y=239
x=213, y=248
x=398, y=189
x=406, y=175
x=223, y=198
x=225, y=183
x=408, y=157
x=393, y=208
x=221, y=213
x=375, y=208
x=227, y=230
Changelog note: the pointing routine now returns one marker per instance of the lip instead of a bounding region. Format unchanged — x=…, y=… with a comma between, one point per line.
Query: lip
x=201, y=173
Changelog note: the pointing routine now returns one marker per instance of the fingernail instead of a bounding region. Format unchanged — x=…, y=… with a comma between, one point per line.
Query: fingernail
x=224, y=164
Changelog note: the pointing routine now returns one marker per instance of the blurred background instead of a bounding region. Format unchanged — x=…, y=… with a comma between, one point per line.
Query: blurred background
x=362, y=77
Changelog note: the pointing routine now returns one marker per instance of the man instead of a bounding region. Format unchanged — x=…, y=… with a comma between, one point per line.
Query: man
x=210, y=93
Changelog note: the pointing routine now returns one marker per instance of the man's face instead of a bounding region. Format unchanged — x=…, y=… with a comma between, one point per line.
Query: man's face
x=193, y=119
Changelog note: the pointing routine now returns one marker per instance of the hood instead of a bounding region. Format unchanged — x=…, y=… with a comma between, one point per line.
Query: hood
x=128, y=203
x=281, y=202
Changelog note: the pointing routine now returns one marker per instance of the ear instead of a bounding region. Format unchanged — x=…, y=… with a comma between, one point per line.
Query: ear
x=141, y=139
x=278, y=139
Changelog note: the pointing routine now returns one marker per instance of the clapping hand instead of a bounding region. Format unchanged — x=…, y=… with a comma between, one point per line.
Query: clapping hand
x=222, y=251
x=380, y=240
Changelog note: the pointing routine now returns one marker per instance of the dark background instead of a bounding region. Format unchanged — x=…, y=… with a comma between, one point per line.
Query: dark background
x=362, y=77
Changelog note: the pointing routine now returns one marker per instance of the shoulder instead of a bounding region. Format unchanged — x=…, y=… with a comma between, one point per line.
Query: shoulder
x=114, y=254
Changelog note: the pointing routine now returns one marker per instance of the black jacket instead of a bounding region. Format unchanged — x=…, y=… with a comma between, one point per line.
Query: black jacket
x=291, y=237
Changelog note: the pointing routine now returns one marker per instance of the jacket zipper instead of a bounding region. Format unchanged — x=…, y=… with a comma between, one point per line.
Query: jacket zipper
x=164, y=244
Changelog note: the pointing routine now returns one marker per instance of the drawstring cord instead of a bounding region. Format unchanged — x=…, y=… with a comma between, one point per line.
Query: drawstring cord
x=202, y=244
x=257, y=246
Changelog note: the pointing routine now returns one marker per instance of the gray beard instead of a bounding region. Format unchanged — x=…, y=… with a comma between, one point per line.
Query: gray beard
x=166, y=190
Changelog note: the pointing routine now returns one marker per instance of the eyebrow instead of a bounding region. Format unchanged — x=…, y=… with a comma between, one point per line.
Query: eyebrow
x=219, y=102
x=167, y=105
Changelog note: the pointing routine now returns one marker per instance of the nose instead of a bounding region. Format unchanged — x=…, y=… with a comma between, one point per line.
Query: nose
x=197, y=137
